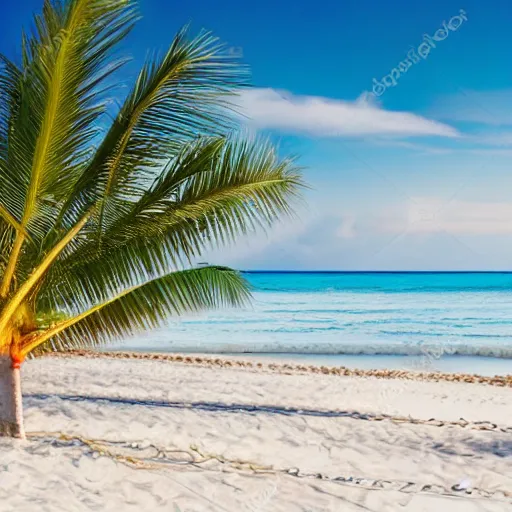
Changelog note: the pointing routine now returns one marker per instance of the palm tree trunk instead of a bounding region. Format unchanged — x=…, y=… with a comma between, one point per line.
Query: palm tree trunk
x=11, y=408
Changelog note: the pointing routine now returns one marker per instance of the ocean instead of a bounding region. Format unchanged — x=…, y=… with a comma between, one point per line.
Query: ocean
x=410, y=320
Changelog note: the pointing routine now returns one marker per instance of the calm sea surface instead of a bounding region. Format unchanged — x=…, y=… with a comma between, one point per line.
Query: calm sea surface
x=437, y=321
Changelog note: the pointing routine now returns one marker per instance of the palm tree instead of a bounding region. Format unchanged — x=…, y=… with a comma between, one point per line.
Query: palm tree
x=102, y=213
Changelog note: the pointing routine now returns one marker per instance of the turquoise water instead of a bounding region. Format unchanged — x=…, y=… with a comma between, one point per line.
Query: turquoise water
x=445, y=321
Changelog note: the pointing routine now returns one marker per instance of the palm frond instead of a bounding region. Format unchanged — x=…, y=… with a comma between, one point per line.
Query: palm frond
x=11, y=187
x=175, y=98
x=25, y=289
x=214, y=191
x=8, y=218
x=65, y=58
x=100, y=215
x=148, y=306
x=53, y=126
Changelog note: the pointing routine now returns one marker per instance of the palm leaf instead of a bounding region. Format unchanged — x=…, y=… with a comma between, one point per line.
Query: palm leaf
x=147, y=306
x=174, y=99
x=99, y=218
x=25, y=289
x=11, y=196
x=214, y=191
x=54, y=125
x=11, y=221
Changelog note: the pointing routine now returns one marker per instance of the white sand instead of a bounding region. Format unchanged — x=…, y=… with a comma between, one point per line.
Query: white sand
x=35, y=475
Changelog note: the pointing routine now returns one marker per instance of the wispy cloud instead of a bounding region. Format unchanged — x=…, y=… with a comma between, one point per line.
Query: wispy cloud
x=486, y=107
x=325, y=117
x=347, y=226
x=456, y=217
x=412, y=146
x=502, y=139
x=421, y=232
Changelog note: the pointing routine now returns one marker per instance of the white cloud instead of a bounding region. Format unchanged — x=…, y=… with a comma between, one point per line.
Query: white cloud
x=503, y=139
x=485, y=107
x=318, y=116
x=500, y=139
x=434, y=215
x=347, y=227
x=422, y=233
x=248, y=248
x=412, y=146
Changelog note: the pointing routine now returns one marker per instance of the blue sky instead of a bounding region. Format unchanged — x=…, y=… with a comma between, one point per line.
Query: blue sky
x=418, y=177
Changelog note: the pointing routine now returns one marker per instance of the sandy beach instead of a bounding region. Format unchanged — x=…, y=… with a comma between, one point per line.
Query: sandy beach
x=286, y=294
x=196, y=437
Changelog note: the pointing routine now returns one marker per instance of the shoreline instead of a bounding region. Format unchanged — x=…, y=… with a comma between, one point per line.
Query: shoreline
x=252, y=363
